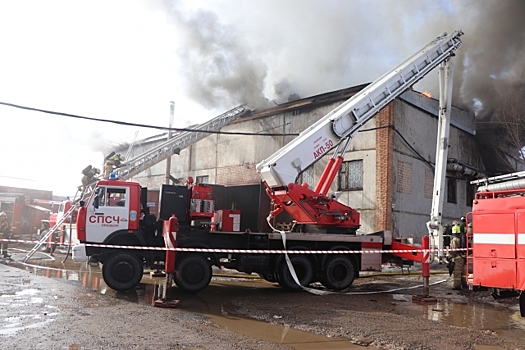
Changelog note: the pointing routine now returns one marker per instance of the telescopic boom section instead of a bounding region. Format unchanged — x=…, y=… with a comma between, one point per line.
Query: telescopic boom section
x=280, y=171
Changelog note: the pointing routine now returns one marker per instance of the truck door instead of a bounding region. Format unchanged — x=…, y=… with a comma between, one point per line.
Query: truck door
x=108, y=211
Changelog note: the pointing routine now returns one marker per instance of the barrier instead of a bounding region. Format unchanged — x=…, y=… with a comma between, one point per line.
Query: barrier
x=246, y=251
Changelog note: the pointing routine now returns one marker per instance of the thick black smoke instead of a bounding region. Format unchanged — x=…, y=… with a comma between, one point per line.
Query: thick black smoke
x=249, y=52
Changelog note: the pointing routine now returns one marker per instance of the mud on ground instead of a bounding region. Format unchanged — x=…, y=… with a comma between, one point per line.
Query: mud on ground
x=51, y=313
x=378, y=319
x=45, y=313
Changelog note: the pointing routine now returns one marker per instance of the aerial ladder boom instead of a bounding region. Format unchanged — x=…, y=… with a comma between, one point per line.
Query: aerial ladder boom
x=151, y=157
x=280, y=170
x=175, y=144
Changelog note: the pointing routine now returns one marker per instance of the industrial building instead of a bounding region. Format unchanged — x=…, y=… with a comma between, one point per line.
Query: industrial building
x=387, y=174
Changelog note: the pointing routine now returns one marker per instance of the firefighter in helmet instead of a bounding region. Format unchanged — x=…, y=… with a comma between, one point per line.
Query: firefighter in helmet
x=89, y=176
x=5, y=233
x=458, y=256
x=112, y=161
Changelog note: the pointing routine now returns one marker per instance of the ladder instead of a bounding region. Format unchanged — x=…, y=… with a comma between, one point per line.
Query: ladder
x=130, y=149
x=512, y=181
x=281, y=168
x=55, y=228
x=174, y=145
x=151, y=157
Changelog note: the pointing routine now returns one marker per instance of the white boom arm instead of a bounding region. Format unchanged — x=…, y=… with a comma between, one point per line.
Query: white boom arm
x=161, y=152
x=282, y=168
x=435, y=226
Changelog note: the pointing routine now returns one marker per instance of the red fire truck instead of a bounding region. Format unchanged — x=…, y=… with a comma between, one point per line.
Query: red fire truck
x=24, y=214
x=65, y=234
x=496, y=249
x=114, y=223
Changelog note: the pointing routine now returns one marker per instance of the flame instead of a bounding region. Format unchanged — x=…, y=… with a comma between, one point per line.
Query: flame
x=426, y=94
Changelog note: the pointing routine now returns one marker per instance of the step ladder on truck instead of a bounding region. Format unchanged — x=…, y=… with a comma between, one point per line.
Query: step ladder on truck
x=496, y=235
x=148, y=159
x=124, y=244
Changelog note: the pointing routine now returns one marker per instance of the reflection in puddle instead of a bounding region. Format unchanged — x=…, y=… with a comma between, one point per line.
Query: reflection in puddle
x=39, y=317
x=508, y=325
x=217, y=309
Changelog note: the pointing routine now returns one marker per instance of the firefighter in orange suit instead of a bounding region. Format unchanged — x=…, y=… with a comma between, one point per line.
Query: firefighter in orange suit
x=458, y=257
x=5, y=233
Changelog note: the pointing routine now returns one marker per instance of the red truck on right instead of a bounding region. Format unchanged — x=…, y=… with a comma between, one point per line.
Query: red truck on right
x=496, y=236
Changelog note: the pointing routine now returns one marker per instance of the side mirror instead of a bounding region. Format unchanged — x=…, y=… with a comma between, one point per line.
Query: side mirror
x=82, y=203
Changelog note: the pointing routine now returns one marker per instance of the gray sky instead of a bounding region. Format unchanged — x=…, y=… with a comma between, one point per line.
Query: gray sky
x=126, y=60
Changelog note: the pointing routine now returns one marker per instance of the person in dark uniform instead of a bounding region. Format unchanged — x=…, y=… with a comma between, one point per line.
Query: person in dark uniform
x=5, y=233
x=458, y=257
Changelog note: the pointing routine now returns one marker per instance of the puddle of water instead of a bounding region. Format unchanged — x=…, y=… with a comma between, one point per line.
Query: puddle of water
x=222, y=312
x=282, y=335
x=219, y=310
x=507, y=324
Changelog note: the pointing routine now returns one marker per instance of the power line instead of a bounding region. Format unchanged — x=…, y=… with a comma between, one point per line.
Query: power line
x=16, y=178
x=140, y=125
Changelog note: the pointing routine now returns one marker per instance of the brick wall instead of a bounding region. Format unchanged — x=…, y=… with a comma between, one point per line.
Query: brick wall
x=384, y=168
x=235, y=175
x=404, y=177
x=152, y=182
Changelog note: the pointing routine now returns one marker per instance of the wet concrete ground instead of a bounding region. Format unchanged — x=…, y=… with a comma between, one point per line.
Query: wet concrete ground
x=227, y=299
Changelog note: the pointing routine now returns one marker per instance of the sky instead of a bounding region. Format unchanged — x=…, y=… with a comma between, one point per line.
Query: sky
x=126, y=60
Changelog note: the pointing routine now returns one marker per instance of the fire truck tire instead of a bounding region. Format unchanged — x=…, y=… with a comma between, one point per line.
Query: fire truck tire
x=303, y=269
x=194, y=273
x=338, y=272
x=522, y=304
x=122, y=271
x=44, y=248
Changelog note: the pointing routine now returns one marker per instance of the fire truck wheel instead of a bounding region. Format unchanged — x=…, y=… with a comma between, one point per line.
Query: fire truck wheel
x=122, y=271
x=194, y=273
x=44, y=248
x=303, y=269
x=338, y=272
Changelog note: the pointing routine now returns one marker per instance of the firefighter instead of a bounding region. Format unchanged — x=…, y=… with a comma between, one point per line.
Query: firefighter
x=89, y=176
x=458, y=257
x=5, y=233
x=113, y=161
x=463, y=225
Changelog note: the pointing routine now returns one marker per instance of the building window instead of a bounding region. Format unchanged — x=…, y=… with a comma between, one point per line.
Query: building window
x=471, y=194
x=429, y=183
x=452, y=190
x=351, y=176
x=404, y=177
x=307, y=176
x=202, y=179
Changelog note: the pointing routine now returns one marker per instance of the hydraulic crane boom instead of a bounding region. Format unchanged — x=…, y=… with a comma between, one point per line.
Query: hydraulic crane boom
x=280, y=170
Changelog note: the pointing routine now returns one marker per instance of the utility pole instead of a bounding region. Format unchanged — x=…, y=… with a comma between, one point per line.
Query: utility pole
x=168, y=161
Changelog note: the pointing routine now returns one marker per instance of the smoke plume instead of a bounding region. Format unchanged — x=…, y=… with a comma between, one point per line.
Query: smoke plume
x=250, y=52
x=242, y=52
